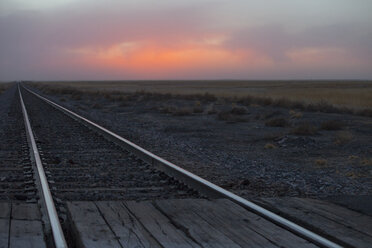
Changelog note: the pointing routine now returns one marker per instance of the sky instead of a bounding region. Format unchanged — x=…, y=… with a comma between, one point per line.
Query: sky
x=185, y=39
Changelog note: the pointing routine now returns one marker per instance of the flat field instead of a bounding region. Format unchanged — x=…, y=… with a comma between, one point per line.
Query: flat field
x=253, y=147
x=351, y=94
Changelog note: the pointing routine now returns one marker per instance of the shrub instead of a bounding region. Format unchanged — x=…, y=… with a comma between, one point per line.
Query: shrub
x=182, y=111
x=198, y=108
x=367, y=162
x=331, y=125
x=295, y=114
x=76, y=96
x=208, y=97
x=238, y=110
x=321, y=162
x=228, y=117
x=352, y=157
x=270, y=146
x=343, y=137
x=304, y=129
x=277, y=122
x=96, y=105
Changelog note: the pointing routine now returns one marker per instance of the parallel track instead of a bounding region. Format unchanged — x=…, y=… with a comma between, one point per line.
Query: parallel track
x=131, y=173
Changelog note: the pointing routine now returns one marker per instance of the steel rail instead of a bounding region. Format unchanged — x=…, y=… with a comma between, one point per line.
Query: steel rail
x=195, y=181
x=58, y=236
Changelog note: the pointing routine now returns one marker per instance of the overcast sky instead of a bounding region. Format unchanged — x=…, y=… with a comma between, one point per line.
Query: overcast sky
x=193, y=39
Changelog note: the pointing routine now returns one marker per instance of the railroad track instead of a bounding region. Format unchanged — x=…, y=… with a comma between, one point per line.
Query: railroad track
x=16, y=174
x=77, y=159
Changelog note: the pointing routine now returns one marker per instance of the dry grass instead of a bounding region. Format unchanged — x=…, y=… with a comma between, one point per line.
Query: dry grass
x=343, y=137
x=326, y=96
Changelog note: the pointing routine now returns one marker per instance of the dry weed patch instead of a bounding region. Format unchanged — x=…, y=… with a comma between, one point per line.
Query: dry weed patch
x=343, y=137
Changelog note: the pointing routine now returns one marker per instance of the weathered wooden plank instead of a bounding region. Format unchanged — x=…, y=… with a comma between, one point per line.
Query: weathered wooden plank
x=303, y=213
x=4, y=233
x=160, y=227
x=339, y=214
x=24, y=211
x=89, y=228
x=233, y=226
x=4, y=224
x=272, y=232
x=125, y=226
x=26, y=233
x=4, y=210
x=200, y=230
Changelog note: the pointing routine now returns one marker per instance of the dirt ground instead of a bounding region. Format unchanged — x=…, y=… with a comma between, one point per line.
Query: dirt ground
x=253, y=150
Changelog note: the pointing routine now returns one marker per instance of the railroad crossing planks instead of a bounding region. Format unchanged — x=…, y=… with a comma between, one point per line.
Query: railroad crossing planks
x=349, y=227
x=175, y=223
x=20, y=226
x=4, y=224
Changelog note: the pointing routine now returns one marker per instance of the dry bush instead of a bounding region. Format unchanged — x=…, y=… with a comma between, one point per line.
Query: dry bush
x=304, y=128
x=353, y=174
x=331, y=125
x=295, y=114
x=76, y=96
x=321, y=162
x=167, y=109
x=270, y=146
x=96, y=105
x=277, y=122
x=208, y=97
x=211, y=109
x=366, y=162
x=353, y=157
x=229, y=117
x=182, y=111
x=198, y=108
x=343, y=137
x=238, y=110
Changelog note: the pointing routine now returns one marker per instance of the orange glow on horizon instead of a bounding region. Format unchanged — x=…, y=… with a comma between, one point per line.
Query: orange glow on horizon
x=152, y=57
